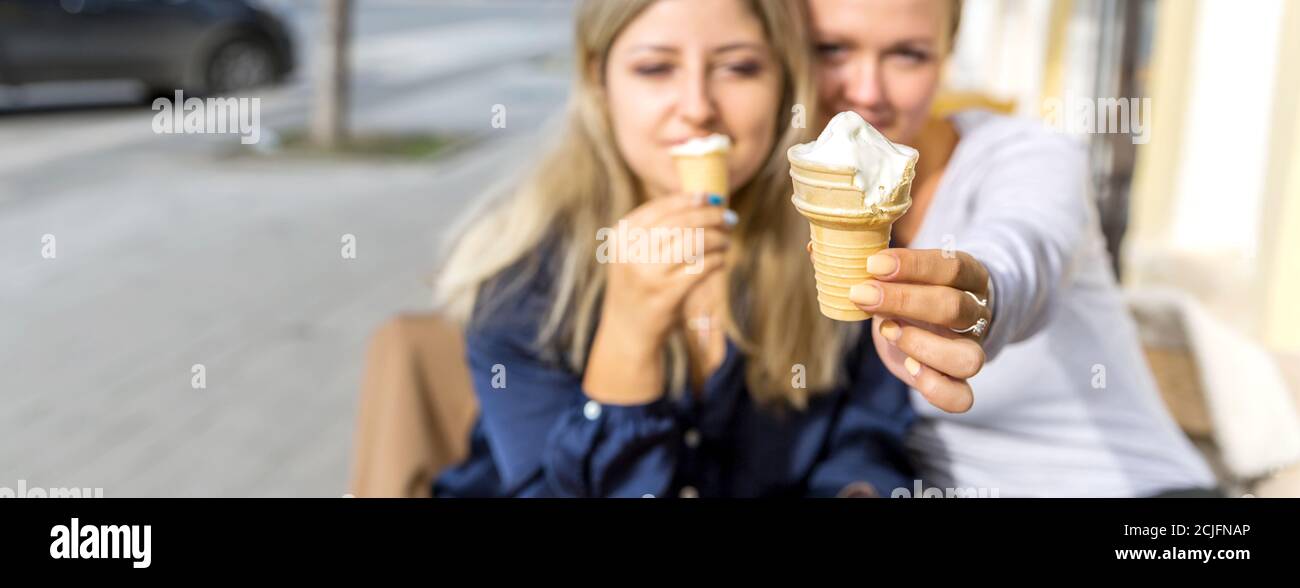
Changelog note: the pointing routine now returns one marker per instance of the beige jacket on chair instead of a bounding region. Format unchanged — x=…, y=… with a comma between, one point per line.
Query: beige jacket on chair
x=417, y=408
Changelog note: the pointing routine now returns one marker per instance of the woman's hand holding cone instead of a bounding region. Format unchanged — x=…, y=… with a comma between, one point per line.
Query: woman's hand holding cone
x=918, y=300
x=643, y=297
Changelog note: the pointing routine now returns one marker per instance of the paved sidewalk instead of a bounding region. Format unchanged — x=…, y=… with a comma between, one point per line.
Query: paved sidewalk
x=240, y=272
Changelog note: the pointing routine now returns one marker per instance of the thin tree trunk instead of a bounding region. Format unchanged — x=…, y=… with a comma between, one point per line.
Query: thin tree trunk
x=329, y=120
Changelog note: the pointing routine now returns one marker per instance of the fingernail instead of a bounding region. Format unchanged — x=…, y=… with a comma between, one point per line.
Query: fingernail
x=882, y=264
x=890, y=330
x=730, y=218
x=912, y=366
x=865, y=294
x=715, y=200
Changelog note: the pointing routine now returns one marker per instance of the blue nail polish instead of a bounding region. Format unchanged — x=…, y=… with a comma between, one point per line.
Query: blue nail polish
x=730, y=217
x=715, y=200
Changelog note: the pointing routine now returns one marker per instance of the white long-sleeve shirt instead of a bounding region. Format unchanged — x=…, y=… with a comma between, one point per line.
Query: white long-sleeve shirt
x=1066, y=405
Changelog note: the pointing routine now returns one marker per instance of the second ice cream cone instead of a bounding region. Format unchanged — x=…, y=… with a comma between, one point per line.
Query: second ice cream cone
x=705, y=174
x=702, y=166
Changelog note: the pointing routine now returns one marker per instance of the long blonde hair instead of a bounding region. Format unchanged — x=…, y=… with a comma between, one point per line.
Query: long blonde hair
x=583, y=184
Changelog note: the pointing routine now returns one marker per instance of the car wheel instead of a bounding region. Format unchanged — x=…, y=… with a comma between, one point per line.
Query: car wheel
x=239, y=64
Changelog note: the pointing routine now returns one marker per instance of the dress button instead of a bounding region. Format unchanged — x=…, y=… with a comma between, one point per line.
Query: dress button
x=689, y=492
x=692, y=438
x=591, y=410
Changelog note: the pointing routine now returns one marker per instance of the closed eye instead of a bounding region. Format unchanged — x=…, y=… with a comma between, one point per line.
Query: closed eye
x=746, y=69
x=912, y=55
x=654, y=70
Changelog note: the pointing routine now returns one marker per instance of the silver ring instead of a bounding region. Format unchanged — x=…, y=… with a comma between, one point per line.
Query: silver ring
x=977, y=328
x=980, y=325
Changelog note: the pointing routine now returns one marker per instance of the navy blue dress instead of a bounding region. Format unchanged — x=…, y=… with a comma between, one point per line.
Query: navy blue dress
x=539, y=435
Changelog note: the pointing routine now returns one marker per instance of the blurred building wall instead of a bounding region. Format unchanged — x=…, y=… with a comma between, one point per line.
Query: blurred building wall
x=1216, y=208
x=1281, y=233
x=1214, y=205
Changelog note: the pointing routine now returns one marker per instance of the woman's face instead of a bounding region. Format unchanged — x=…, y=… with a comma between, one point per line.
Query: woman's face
x=690, y=68
x=881, y=59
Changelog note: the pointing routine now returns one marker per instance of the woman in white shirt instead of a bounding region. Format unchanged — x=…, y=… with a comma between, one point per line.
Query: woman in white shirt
x=1065, y=404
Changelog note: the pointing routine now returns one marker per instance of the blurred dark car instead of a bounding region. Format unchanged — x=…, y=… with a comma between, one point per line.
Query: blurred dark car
x=199, y=46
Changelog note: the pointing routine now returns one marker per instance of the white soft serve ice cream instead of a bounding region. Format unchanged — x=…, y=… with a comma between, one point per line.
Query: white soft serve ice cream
x=849, y=141
x=702, y=146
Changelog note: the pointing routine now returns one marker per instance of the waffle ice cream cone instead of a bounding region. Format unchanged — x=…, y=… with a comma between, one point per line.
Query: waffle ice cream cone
x=702, y=166
x=849, y=221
